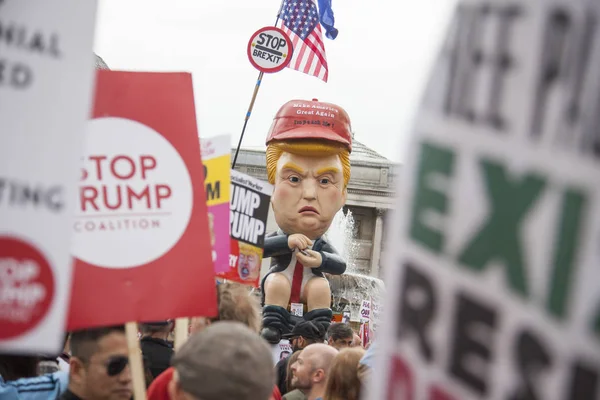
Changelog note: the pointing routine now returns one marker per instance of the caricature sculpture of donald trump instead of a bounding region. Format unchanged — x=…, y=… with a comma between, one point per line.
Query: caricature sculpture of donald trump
x=308, y=162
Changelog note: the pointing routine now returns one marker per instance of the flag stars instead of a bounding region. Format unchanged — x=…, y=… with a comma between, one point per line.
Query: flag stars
x=300, y=16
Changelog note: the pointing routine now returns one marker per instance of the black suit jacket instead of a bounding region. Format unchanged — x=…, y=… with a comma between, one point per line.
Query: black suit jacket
x=276, y=247
x=158, y=353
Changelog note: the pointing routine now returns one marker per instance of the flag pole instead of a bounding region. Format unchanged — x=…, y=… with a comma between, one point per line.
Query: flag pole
x=251, y=106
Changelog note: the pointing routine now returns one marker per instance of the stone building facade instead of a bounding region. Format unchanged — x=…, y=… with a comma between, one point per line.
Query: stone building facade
x=371, y=195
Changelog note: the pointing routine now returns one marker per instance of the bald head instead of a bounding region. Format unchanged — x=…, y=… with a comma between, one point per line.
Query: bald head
x=309, y=372
x=319, y=355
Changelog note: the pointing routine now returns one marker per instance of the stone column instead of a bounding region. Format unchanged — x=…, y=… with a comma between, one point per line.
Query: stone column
x=376, y=249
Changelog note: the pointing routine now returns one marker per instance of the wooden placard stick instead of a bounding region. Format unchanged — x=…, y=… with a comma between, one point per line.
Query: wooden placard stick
x=181, y=331
x=135, y=361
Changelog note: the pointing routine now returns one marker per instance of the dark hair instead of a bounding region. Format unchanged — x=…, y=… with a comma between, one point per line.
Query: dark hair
x=235, y=303
x=149, y=329
x=13, y=367
x=84, y=342
x=339, y=330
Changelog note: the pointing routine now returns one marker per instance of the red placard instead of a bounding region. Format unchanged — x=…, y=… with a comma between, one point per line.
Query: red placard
x=244, y=263
x=141, y=237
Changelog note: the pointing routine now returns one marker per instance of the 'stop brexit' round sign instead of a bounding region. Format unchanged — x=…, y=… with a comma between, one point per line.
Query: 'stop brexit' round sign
x=270, y=49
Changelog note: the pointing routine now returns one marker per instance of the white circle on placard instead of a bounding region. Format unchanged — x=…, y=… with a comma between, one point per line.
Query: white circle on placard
x=270, y=49
x=135, y=196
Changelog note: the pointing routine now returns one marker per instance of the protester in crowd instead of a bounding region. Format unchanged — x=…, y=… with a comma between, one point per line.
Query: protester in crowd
x=302, y=335
x=342, y=381
x=47, y=364
x=50, y=363
x=311, y=369
x=235, y=304
x=225, y=361
x=275, y=394
x=357, y=341
x=340, y=335
x=19, y=377
x=369, y=357
x=148, y=377
x=367, y=363
x=288, y=373
x=292, y=392
x=198, y=324
x=14, y=367
x=364, y=374
x=99, y=365
x=156, y=348
x=46, y=387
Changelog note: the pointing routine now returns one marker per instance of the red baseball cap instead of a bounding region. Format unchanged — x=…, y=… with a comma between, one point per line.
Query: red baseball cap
x=303, y=119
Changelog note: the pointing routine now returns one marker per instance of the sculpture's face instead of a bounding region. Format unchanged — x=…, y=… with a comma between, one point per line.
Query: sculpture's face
x=308, y=192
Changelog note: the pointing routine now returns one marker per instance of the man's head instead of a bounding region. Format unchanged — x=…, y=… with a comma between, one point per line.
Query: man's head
x=225, y=361
x=99, y=364
x=289, y=374
x=303, y=334
x=340, y=335
x=357, y=341
x=308, y=161
x=311, y=367
x=235, y=304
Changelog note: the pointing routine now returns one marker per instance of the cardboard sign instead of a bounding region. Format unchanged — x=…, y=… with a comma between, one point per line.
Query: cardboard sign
x=270, y=49
x=297, y=309
x=250, y=203
x=141, y=236
x=376, y=314
x=365, y=333
x=365, y=311
x=495, y=287
x=346, y=317
x=46, y=81
x=216, y=157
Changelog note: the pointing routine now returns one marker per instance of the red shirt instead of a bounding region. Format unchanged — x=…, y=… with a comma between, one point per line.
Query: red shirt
x=276, y=395
x=158, y=389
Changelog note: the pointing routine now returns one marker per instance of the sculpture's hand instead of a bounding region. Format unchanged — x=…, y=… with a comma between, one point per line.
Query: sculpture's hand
x=312, y=259
x=298, y=241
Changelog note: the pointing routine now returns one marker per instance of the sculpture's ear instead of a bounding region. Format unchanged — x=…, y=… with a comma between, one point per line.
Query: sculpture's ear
x=272, y=198
x=344, y=195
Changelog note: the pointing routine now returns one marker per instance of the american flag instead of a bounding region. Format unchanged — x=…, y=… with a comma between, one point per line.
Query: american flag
x=300, y=20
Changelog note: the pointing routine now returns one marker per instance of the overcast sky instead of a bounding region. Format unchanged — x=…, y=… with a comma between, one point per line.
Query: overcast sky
x=377, y=65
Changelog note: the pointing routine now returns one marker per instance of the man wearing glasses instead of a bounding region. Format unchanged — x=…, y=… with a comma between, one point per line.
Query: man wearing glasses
x=99, y=365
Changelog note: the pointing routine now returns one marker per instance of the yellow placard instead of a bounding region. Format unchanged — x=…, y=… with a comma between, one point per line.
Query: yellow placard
x=217, y=180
